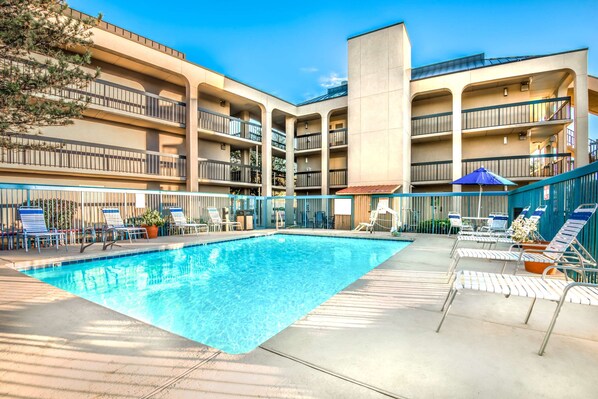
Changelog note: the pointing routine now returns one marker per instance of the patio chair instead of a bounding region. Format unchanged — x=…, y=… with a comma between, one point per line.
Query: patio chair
x=115, y=224
x=180, y=222
x=320, y=220
x=502, y=238
x=368, y=226
x=217, y=222
x=497, y=223
x=564, y=247
x=457, y=223
x=551, y=289
x=34, y=226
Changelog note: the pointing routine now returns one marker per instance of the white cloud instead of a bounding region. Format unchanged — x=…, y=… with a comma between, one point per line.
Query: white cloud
x=331, y=80
x=308, y=69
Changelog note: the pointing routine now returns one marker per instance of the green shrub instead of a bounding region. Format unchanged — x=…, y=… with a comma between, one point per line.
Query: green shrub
x=152, y=217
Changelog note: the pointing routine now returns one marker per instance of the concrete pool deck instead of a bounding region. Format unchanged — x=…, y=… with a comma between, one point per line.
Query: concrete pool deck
x=375, y=339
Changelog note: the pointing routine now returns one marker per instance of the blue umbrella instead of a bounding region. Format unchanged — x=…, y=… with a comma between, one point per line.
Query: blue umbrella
x=483, y=177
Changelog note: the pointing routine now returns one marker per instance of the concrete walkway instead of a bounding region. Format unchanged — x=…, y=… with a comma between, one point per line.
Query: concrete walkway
x=375, y=339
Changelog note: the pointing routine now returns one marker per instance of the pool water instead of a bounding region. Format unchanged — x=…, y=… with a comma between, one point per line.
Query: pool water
x=232, y=295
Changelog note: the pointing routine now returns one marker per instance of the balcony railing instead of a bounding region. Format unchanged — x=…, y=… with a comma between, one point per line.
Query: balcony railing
x=593, y=150
x=35, y=151
x=229, y=125
x=279, y=139
x=311, y=141
x=308, y=179
x=522, y=166
x=229, y=172
x=431, y=124
x=431, y=171
x=337, y=137
x=337, y=177
x=553, y=109
x=279, y=178
x=570, y=137
x=122, y=98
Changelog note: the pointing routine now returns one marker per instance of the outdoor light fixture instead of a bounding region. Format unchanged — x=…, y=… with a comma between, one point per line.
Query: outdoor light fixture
x=505, y=92
x=222, y=103
x=504, y=140
x=223, y=146
x=306, y=125
x=306, y=160
x=522, y=136
x=524, y=86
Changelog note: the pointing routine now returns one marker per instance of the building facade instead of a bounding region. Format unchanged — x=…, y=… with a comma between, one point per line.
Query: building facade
x=158, y=121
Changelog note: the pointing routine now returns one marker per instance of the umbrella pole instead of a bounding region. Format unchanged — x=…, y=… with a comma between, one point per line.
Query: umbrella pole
x=480, y=201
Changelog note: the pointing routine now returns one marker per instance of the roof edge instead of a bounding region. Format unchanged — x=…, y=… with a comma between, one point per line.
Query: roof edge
x=375, y=30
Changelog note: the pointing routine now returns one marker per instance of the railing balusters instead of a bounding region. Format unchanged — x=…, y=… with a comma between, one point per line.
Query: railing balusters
x=230, y=172
x=229, y=125
x=310, y=141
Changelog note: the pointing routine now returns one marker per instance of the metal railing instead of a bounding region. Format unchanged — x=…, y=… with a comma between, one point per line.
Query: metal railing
x=308, y=142
x=279, y=139
x=279, y=178
x=35, y=151
x=308, y=179
x=229, y=172
x=593, y=150
x=523, y=166
x=553, y=109
x=570, y=137
x=337, y=137
x=122, y=98
x=432, y=171
x=229, y=125
x=431, y=124
x=337, y=177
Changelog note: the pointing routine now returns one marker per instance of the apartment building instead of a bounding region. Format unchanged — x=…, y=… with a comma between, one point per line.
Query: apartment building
x=159, y=121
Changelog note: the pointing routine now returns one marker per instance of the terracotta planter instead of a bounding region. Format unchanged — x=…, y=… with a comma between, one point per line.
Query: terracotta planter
x=152, y=231
x=538, y=267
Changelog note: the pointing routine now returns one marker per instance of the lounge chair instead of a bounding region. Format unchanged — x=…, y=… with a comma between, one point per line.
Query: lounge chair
x=114, y=223
x=180, y=222
x=556, y=290
x=497, y=224
x=34, y=226
x=502, y=238
x=368, y=226
x=457, y=223
x=564, y=247
x=217, y=222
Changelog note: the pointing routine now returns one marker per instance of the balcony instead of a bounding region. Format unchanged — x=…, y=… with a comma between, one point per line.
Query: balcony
x=308, y=179
x=523, y=113
x=432, y=124
x=52, y=155
x=337, y=177
x=279, y=139
x=219, y=171
x=230, y=126
x=337, y=138
x=308, y=142
x=522, y=167
x=529, y=112
x=279, y=178
x=125, y=99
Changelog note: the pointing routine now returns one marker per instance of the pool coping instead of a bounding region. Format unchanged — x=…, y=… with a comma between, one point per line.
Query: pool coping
x=82, y=258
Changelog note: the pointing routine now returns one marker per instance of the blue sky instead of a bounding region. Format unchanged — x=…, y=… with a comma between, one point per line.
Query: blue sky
x=295, y=49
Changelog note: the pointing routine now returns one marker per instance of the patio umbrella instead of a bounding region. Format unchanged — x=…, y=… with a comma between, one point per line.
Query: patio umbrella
x=483, y=177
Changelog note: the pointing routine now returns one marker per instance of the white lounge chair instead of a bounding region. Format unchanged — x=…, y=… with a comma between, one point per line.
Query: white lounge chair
x=217, y=222
x=497, y=223
x=560, y=291
x=564, y=247
x=368, y=226
x=114, y=222
x=456, y=222
x=502, y=238
x=180, y=222
x=34, y=226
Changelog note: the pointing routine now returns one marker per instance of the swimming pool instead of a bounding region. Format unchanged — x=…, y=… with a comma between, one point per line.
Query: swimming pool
x=232, y=295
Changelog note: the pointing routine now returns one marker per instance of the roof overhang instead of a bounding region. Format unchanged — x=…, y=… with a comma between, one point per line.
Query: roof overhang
x=370, y=190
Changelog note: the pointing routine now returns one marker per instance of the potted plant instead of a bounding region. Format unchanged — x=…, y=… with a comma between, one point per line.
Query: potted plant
x=152, y=220
x=524, y=232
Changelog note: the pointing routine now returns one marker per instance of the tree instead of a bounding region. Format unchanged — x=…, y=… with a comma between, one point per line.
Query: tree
x=43, y=52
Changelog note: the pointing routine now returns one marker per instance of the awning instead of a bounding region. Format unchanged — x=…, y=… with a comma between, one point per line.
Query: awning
x=369, y=190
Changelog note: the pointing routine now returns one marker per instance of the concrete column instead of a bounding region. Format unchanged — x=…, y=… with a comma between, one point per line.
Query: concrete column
x=325, y=155
x=457, y=138
x=290, y=154
x=266, y=152
x=191, y=139
x=582, y=147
